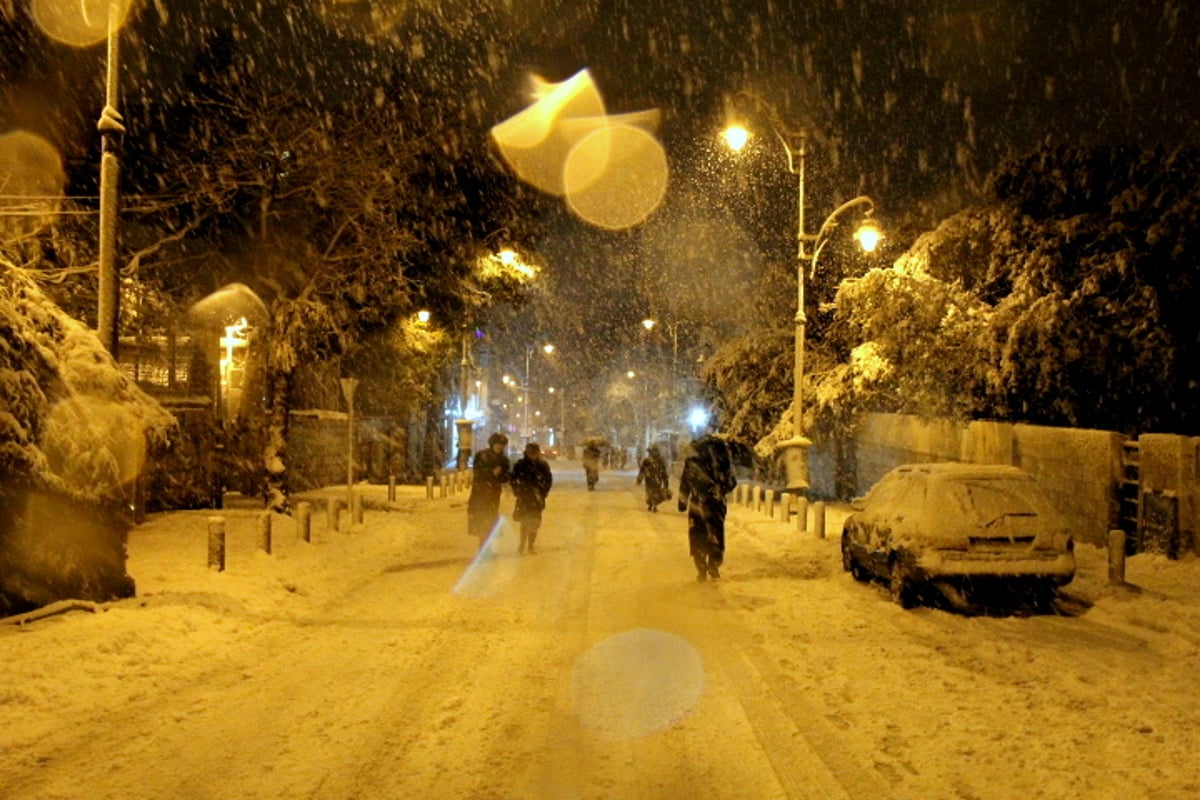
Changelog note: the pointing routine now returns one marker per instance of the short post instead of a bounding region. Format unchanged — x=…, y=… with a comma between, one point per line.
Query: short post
x=442, y=481
x=737, y=494
x=819, y=519
x=771, y=503
x=331, y=513
x=785, y=511
x=216, y=543
x=801, y=514
x=357, y=506
x=391, y=488
x=428, y=487
x=1116, y=557
x=304, y=521
x=264, y=532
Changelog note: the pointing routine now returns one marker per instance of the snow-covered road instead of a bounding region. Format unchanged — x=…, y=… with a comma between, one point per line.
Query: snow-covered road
x=387, y=662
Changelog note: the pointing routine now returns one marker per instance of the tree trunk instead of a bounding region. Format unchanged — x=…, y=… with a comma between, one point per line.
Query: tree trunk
x=279, y=387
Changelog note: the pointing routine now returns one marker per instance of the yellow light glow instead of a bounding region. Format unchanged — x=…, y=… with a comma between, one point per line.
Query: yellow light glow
x=548, y=349
x=736, y=137
x=423, y=316
x=507, y=257
x=648, y=324
x=81, y=23
x=868, y=236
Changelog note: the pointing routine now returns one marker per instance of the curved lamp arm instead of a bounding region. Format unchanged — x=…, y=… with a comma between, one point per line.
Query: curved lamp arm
x=822, y=236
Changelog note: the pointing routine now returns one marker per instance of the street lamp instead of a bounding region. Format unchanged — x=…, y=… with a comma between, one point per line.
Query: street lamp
x=795, y=146
x=526, y=385
x=561, y=433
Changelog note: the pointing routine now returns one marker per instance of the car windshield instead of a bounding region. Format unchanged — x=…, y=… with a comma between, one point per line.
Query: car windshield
x=988, y=500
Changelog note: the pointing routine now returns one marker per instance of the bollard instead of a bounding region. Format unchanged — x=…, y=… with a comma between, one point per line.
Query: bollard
x=264, y=532
x=801, y=514
x=819, y=519
x=442, y=483
x=771, y=503
x=304, y=521
x=331, y=514
x=357, y=506
x=216, y=543
x=429, y=487
x=737, y=494
x=785, y=511
x=1116, y=557
x=391, y=488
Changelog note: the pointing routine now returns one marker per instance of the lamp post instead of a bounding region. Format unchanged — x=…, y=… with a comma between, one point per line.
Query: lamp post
x=465, y=428
x=527, y=385
x=561, y=433
x=795, y=146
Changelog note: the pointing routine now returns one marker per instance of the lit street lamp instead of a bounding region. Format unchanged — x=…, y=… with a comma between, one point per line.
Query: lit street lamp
x=795, y=146
x=526, y=385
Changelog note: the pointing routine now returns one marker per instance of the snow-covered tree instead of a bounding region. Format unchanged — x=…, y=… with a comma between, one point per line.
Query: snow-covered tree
x=74, y=434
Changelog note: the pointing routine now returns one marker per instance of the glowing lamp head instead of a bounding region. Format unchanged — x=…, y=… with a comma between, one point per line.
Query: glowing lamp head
x=423, y=316
x=735, y=137
x=868, y=236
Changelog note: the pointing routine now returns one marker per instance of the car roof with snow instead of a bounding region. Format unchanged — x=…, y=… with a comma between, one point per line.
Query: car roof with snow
x=957, y=469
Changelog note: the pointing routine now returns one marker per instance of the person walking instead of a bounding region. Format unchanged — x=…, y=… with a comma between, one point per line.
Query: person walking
x=531, y=482
x=591, y=464
x=653, y=474
x=489, y=472
x=706, y=479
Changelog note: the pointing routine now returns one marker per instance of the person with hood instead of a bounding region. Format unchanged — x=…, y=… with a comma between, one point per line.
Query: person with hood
x=706, y=479
x=653, y=473
x=531, y=482
x=489, y=472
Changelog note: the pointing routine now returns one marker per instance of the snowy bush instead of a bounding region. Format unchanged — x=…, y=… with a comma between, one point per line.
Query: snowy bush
x=73, y=438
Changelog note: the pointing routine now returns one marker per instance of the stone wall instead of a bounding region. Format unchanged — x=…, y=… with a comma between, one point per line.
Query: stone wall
x=1079, y=469
x=1170, y=465
x=316, y=449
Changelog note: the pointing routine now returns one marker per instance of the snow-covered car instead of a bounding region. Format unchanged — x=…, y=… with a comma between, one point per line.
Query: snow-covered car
x=955, y=527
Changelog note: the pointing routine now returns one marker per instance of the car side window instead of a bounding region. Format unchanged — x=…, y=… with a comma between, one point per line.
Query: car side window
x=896, y=498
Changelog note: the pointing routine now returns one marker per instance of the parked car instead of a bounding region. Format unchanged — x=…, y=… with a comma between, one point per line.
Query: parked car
x=956, y=527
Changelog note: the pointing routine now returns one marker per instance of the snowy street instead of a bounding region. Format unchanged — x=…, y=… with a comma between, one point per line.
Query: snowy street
x=384, y=662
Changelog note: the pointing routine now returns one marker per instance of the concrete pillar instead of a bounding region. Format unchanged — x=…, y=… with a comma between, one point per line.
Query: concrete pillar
x=216, y=543
x=264, y=532
x=391, y=488
x=331, y=513
x=1116, y=557
x=357, y=508
x=771, y=503
x=429, y=487
x=801, y=514
x=304, y=521
x=819, y=519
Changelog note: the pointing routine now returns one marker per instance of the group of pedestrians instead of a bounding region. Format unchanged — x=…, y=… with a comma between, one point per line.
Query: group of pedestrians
x=707, y=477
x=531, y=481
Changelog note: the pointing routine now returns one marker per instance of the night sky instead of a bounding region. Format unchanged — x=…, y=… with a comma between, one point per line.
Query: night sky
x=913, y=102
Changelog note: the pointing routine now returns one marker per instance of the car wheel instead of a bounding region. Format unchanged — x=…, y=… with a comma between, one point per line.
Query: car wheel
x=849, y=564
x=901, y=584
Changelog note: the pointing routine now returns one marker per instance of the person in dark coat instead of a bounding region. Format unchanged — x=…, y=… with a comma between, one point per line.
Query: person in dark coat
x=591, y=465
x=489, y=472
x=653, y=474
x=531, y=482
x=706, y=479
